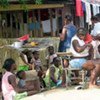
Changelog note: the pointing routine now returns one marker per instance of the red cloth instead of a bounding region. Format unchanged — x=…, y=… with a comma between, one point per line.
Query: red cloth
x=88, y=38
x=23, y=38
x=79, y=10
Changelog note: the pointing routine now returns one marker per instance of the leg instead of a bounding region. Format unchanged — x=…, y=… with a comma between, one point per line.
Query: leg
x=89, y=65
x=94, y=74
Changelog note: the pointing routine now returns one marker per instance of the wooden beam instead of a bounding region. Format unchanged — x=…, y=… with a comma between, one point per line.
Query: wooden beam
x=14, y=7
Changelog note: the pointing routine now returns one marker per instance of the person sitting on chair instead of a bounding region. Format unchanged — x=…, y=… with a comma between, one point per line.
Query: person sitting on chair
x=80, y=52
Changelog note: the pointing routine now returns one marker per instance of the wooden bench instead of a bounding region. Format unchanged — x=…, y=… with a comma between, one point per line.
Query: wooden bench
x=69, y=70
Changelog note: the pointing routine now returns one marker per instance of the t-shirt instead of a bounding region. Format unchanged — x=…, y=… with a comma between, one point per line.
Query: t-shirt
x=37, y=64
x=21, y=83
x=51, y=57
x=96, y=29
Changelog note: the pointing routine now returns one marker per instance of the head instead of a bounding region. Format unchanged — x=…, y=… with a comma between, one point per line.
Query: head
x=81, y=33
x=36, y=55
x=9, y=65
x=21, y=74
x=56, y=61
x=99, y=49
x=51, y=50
x=98, y=17
x=68, y=19
x=94, y=19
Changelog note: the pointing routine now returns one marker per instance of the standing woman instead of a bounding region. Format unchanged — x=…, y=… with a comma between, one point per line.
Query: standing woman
x=68, y=31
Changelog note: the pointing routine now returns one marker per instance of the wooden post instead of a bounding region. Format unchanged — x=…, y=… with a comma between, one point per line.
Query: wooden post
x=39, y=19
x=0, y=26
x=51, y=24
x=56, y=13
x=11, y=33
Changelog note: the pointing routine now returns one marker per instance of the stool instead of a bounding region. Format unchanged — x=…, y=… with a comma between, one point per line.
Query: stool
x=70, y=79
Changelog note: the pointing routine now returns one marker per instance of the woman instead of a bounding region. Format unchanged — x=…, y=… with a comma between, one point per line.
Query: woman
x=68, y=31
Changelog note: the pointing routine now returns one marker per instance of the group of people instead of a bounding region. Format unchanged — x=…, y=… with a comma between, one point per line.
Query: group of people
x=11, y=88
x=84, y=47
x=72, y=40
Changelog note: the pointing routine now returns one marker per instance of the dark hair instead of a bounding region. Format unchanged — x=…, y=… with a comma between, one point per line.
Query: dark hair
x=98, y=46
x=82, y=31
x=8, y=64
x=68, y=17
x=98, y=16
x=35, y=52
x=50, y=47
x=55, y=59
x=94, y=18
x=19, y=73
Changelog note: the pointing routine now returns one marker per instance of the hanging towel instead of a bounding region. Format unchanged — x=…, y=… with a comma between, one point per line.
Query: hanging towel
x=88, y=13
x=79, y=10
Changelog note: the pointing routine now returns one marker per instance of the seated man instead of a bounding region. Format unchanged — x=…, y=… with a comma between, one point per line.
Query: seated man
x=80, y=52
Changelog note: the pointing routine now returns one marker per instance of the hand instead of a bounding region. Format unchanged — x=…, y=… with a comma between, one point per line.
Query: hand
x=89, y=45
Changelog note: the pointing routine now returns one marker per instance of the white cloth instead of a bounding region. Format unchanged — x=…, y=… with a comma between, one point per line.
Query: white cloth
x=47, y=25
x=88, y=13
x=81, y=43
x=95, y=9
x=96, y=29
x=95, y=46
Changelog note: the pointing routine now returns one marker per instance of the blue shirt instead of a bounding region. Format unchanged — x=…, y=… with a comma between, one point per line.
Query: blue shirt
x=66, y=43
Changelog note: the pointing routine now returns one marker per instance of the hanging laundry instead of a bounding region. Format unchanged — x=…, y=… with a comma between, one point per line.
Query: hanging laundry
x=95, y=9
x=31, y=26
x=88, y=13
x=79, y=10
x=37, y=25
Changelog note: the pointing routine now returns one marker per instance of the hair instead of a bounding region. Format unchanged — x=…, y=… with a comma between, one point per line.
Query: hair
x=68, y=17
x=98, y=16
x=19, y=73
x=50, y=47
x=8, y=64
x=94, y=18
x=55, y=59
x=98, y=46
x=82, y=31
x=35, y=52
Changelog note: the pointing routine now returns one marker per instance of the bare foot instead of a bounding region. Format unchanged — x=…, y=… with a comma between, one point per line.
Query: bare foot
x=93, y=86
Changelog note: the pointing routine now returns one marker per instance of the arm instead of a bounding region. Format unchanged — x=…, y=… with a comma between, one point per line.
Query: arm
x=79, y=48
x=12, y=81
x=62, y=36
x=52, y=76
x=23, y=58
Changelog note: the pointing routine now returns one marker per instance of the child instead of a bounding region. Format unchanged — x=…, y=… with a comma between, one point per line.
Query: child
x=22, y=76
x=9, y=86
x=51, y=55
x=53, y=74
x=38, y=67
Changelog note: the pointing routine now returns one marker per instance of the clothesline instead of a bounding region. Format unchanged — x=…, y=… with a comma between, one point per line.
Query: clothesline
x=93, y=2
x=85, y=6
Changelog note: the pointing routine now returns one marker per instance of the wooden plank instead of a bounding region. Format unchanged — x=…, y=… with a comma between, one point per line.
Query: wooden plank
x=14, y=7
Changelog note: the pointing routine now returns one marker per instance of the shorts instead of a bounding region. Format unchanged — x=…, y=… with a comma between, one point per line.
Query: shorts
x=77, y=63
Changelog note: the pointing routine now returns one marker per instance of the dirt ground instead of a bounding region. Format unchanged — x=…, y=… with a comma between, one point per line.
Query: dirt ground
x=64, y=94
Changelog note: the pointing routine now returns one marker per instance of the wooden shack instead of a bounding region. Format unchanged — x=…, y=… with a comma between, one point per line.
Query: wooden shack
x=16, y=20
